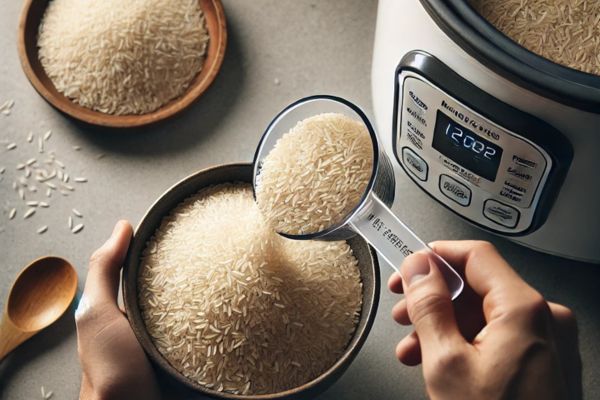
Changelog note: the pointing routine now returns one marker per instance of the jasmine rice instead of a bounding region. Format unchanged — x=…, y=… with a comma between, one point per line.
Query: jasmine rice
x=564, y=31
x=315, y=174
x=122, y=57
x=236, y=307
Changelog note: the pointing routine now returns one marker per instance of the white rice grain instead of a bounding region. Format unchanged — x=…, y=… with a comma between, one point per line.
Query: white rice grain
x=564, y=31
x=128, y=62
x=29, y=213
x=315, y=174
x=77, y=228
x=198, y=286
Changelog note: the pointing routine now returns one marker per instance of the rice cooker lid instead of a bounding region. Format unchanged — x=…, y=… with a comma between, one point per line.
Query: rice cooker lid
x=507, y=58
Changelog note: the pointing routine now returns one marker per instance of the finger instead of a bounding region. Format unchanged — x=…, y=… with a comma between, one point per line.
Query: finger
x=488, y=274
x=468, y=308
x=566, y=331
x=479, y=262
x=408, y=351
x=395, y=283
x=564, y=319
x=400, y=313
x=429, y=305
x=102, y=283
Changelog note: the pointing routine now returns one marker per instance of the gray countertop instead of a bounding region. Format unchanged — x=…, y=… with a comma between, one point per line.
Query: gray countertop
x=278, y=51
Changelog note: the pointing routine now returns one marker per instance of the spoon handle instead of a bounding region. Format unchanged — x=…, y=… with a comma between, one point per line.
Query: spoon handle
x=394, y=241
x=11, y=337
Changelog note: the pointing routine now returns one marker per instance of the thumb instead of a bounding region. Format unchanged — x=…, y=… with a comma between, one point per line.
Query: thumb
x=102, y=283
x=429, y=305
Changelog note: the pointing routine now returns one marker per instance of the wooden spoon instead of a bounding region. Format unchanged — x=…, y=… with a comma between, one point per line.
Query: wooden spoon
x=40, y=295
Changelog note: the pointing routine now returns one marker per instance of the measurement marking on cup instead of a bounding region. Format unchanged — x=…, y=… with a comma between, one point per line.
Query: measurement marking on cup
x=377, y=224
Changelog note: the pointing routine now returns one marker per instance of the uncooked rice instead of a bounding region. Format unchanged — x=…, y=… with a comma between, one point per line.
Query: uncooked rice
x=316, y=174
x=236, y=307
x=122, y=57
x=564, y=31
x=77, y=228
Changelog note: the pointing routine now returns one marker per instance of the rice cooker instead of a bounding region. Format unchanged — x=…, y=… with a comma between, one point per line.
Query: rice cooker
x=504, y=138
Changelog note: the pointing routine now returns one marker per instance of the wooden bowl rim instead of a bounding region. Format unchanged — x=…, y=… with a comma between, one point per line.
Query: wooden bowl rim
x=168, y=110
x=130, y=270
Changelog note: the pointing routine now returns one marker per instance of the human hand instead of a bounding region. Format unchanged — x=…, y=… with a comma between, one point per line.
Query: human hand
x=113, y=362
x=500, y=339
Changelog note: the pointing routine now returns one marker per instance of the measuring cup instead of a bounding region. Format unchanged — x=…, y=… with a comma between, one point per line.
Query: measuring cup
x=371, y=217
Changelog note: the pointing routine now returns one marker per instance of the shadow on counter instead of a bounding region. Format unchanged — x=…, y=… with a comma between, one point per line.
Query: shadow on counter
x=61, y=331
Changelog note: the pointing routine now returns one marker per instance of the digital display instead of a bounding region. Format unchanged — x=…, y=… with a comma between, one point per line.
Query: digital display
x=463, y=146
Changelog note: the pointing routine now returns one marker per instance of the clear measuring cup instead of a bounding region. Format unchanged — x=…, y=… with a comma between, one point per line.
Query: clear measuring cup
x=371, y=217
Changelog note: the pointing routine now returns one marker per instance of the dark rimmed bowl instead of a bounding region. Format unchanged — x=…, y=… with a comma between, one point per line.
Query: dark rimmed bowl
x=367, y=261
x=31, y=16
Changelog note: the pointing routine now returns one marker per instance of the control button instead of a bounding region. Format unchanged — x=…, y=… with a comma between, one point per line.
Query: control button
x=415, y=164
x=520, y=173
x=513, y=191
x=523, y=162
x=454, y=190
x=414, y=135
x=501, y=213
x=417, y=115
x=417, y=101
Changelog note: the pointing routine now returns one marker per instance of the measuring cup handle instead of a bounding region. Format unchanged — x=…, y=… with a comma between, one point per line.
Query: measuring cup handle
x=394, y=241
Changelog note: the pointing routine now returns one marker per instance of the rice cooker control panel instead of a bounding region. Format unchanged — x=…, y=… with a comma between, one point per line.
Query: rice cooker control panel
x=488, y=174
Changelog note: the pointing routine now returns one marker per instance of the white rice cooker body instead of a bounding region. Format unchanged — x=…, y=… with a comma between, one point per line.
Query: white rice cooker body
x=451, y=119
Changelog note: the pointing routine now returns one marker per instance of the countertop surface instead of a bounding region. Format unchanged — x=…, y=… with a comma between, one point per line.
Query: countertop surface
x=278, y=51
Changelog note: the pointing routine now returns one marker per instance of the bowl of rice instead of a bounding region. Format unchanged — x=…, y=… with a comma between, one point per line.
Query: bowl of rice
x=121, y=64
x=229, y=308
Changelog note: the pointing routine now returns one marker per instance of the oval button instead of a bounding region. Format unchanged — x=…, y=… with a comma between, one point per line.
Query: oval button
x=415, y=164
x=454, y=190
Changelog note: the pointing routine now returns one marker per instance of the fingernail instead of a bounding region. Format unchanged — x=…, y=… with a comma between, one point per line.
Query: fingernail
x=82, y=308
x=416, y=270
x=114, y=233
x=117, y=228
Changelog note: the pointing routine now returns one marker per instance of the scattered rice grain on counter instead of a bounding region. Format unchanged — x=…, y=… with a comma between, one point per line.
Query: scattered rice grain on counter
x=238, y=308
x=6, y=107
x=31, y=171
x=122, y=57
x=564, y=31
x=29, y=213
x=315, y=174
x=77, y=228
x=46, y=395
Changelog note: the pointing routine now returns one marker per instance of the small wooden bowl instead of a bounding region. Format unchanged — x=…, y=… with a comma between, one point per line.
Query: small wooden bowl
x=367, y=261
x=31, y=16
